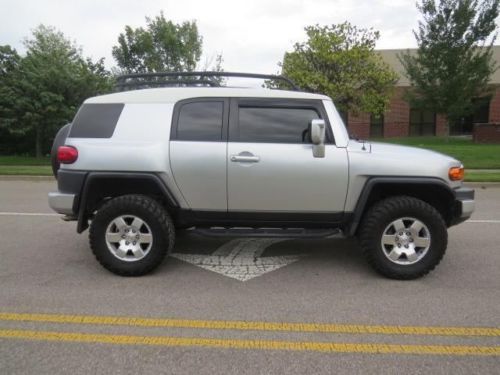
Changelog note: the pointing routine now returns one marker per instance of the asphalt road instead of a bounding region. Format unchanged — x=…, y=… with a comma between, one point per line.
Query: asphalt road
x=311, y=306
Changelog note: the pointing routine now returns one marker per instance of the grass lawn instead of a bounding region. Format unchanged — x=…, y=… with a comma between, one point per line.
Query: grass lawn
x=23, y=160
x=26, y=170
x=473, y=176
x=472, y=155
x=28, y=166
x=46, y=170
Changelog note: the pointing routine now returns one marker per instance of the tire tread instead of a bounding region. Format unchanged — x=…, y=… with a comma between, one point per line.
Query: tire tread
x=381, y=210
x=124, y=202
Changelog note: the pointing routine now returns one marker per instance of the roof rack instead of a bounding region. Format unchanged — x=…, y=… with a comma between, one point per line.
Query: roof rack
x=197, y=79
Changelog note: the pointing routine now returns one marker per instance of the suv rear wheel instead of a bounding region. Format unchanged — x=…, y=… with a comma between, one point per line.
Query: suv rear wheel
x=403, y=237
x=131, y=235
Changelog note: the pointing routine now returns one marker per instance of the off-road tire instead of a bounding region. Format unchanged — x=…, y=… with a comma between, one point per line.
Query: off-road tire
x=152, y=213
x=380, y=215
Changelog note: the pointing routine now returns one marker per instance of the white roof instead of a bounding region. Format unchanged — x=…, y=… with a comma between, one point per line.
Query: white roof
x=174, y=94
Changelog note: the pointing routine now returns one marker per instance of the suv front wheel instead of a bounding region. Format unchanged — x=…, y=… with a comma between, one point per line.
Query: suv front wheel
x=403, y=237
x=131, y=235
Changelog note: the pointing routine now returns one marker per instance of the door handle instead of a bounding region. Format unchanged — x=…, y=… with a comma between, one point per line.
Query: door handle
x=245, y=157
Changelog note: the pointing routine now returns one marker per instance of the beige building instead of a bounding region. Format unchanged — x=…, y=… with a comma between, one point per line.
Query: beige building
x=400, y=120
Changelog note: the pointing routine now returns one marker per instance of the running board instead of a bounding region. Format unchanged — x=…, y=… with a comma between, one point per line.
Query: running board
x=265, y=232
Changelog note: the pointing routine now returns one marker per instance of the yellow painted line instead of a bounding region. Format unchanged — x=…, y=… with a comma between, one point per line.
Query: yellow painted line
x=326, y=347
x=257, y=326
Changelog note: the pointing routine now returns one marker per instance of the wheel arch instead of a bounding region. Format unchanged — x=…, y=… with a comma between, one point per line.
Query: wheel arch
x=433, y=191
x=100, y=186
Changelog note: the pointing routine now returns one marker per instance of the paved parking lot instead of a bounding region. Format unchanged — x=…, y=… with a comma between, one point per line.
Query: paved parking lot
x=241, y=306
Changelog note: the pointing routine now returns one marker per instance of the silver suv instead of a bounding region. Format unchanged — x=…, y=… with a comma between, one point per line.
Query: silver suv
x=140, y=165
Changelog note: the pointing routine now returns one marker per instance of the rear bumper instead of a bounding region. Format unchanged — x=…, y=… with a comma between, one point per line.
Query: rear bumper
x=464, y=205
x=62, y=203
x=69, y=185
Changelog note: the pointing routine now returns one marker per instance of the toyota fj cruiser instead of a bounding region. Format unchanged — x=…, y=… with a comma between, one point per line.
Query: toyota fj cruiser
x=140, y=165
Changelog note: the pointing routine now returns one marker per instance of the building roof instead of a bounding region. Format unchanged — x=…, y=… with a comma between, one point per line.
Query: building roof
x=174, y=94
x=390, y=56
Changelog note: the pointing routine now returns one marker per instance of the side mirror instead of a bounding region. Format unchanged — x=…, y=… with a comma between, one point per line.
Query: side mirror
x=317, y=132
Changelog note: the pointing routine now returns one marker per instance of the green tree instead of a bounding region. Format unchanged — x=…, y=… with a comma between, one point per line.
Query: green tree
x=9, y=59
x=9, y=62
x=453, y=63
x=45, y=88
x=340, y=61
x=161, y=47
x=214, y=64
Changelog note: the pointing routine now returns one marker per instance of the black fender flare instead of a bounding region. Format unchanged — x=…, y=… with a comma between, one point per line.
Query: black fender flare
x=372, y=183
x=93, y=177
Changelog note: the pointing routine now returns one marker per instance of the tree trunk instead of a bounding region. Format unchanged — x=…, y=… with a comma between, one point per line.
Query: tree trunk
x=447, y=129
x=38, y=142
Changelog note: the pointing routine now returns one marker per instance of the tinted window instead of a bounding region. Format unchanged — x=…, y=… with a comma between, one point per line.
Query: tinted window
x=96, y=120
x=200, y=121
x=278, y=125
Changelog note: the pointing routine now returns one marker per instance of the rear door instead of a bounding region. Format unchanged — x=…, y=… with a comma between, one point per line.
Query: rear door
x=198, y=146
x=271, y=167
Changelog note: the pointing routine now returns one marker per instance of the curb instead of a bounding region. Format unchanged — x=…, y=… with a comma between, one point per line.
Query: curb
x=482, y=185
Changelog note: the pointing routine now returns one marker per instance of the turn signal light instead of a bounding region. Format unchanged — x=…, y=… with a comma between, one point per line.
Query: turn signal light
x=456, y=173
x=67, y=154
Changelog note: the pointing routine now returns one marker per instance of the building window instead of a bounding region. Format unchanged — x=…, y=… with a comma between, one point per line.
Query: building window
x=481, y=115
x=422, y=122
x=376, y=126
x=482, y=112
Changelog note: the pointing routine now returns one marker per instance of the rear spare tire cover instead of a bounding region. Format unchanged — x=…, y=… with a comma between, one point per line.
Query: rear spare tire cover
x=59, y=140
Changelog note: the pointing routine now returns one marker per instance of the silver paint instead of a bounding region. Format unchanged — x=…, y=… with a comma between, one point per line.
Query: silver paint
x=287, y=177
x=199, y=169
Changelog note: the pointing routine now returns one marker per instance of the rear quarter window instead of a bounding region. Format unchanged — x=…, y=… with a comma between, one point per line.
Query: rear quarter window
x=96, y=120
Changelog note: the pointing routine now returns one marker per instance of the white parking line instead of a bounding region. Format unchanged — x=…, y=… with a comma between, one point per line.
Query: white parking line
x=484, y=221
x=26, y=214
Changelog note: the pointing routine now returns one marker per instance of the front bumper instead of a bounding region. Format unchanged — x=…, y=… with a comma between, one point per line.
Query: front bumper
x=464, y=204
x=467, y=208
x=62, y=203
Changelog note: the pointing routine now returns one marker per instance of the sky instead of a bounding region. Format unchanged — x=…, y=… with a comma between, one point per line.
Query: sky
x=251, y=35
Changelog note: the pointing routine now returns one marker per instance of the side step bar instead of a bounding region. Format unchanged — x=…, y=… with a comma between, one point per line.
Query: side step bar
x=265, y=232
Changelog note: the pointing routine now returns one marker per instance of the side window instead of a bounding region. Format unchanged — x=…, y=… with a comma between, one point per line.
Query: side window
x=274, y=124
x=200, y=121
x=96, y=120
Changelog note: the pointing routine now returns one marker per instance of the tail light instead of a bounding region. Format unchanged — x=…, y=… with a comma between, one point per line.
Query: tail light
x=67, y=154
x=456, y=173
